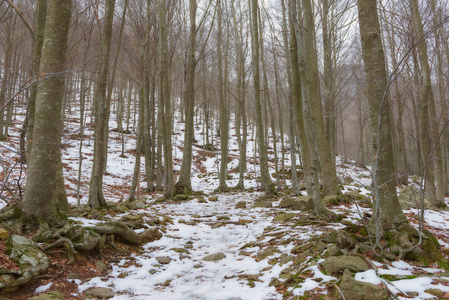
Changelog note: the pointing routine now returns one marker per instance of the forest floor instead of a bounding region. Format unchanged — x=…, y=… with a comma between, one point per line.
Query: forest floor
x=257, y=252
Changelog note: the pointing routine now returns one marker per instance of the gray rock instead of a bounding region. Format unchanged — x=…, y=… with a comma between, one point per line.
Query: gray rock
x=286, y=203
x=333, y=250
x=27, y=255
x=198, y=266
x=241, y=204
x=100, y=266
x=337, y=264
x=121, y=208
x=282, y=217
x=152, y=271
x=263, y=204
x=265, y=253
x=74, y=275
x=214, y=257
x=356, y=290
x=54, y=295
x=150, y=235
x=304, y=203
x=286, y=259
x=99, y=292
x=244, y=221
x=180, y=250
x=164, y=260
x=138, y=204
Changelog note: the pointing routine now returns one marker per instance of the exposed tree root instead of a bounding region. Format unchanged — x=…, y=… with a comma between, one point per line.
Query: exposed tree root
x=70, y=236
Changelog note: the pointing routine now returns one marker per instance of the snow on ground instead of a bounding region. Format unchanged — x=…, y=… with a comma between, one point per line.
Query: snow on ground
x=196, y=230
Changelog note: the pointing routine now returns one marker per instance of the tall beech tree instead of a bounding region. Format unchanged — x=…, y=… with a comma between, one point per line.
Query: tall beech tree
x=101, y=110
x=45, y=196
x=387, y=208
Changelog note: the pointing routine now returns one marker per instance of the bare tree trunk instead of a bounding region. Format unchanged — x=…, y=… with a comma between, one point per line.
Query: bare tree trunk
x=290, y=55
x=43, y=196
x=38, y=40
x=265, y=175
x=431, y=155
x=184, y=184
x=387, y=208
x=304, y=123
x=96, y=198
x=326, y=161
x=165, y=124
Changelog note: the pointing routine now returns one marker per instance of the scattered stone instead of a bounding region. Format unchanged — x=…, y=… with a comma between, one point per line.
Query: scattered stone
x=320, y=245
x=286, y=273
x=304, y=203
x=99, y=292
x=275, y=282
x=217, y=225
x=152, y=271
x=138, y=204
x=435, y=292
x=333, y=250
x=164, y=260
x=337, y=264
x=202, y=200
x=286, y=203
x=74, y=275
x=150, y=235
x=180, y=250
x=265, y=253
x=244, y=253
x=181, y=197
x=53, y=295
x=213, y=198
x=244, y=221
x=101, y=266
x=167, y=219
x=263, y=204
x=282, y=217
x=121, y=208
x=241, y=204
x=197, y=266
x=285, y=259
x=214, y=257
x=3, y=234
x=355, y=290
x=123, y=275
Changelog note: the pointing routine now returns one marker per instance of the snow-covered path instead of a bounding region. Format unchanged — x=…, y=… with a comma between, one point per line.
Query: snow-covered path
x=197, y=231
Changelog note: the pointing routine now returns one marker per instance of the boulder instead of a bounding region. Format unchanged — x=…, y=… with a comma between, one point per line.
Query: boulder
x=356, y=290
x=337, y=264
